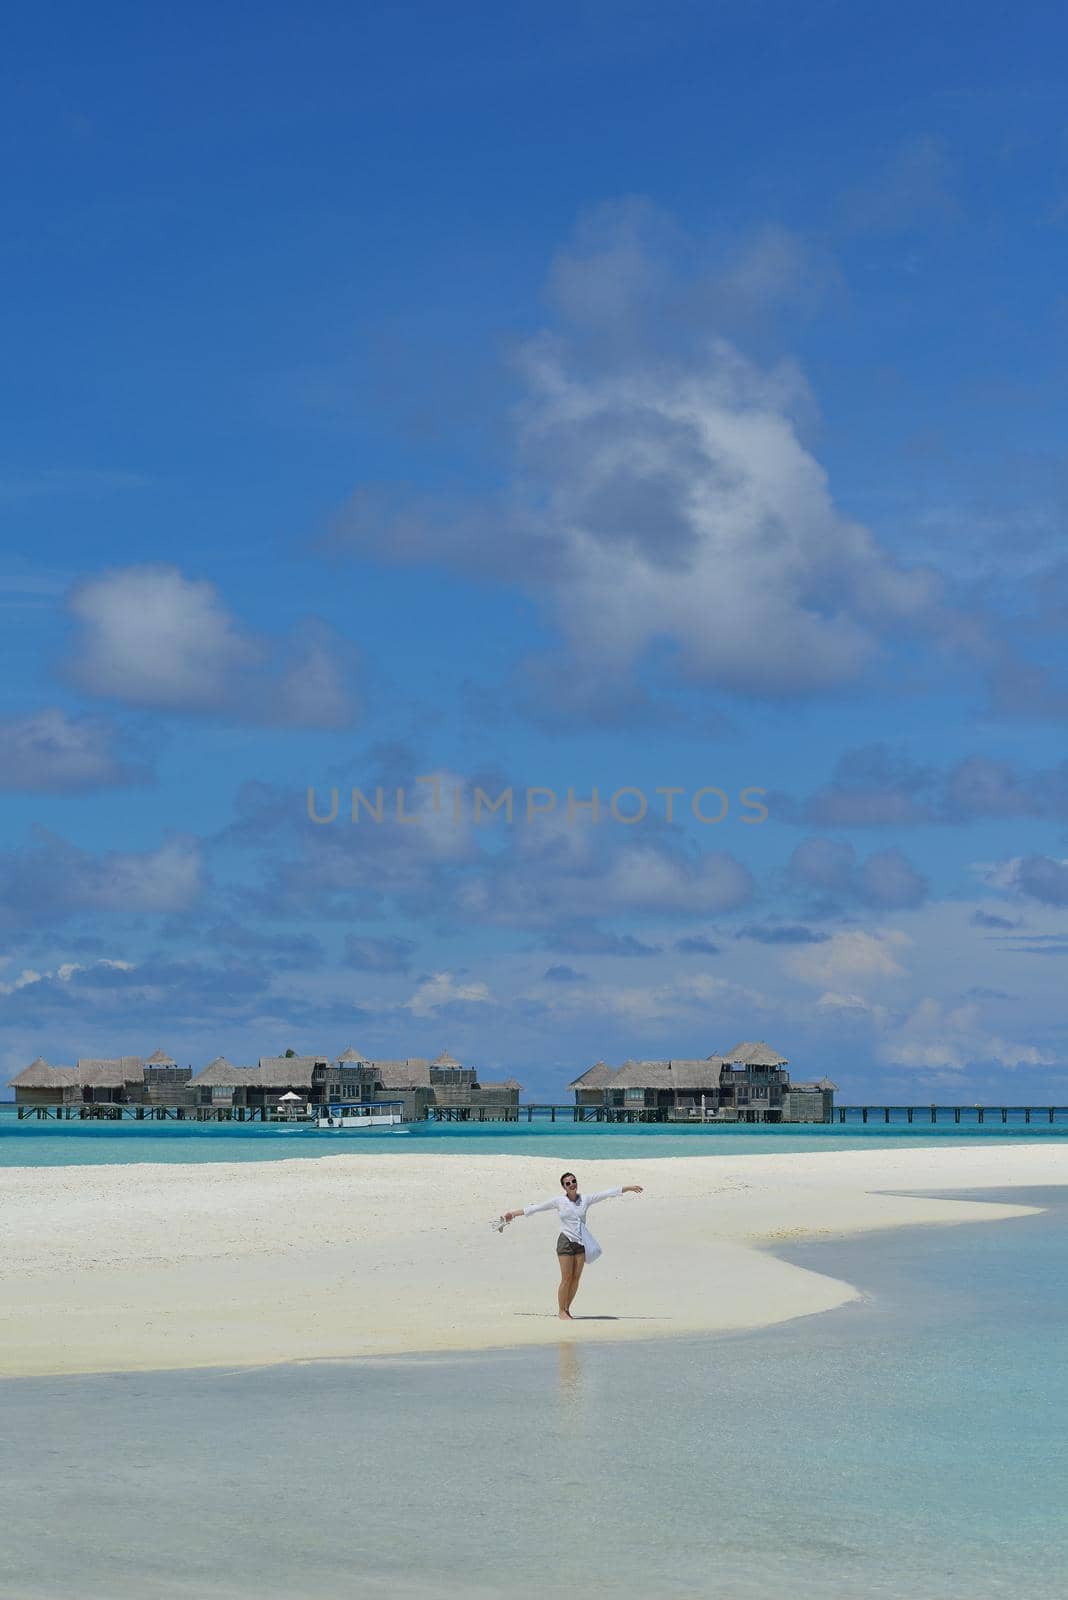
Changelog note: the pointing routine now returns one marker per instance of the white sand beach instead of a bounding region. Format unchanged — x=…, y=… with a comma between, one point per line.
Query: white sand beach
x=146, y=1267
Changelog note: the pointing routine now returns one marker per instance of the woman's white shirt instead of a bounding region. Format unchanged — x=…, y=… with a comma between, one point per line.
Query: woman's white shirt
x=573, y=1217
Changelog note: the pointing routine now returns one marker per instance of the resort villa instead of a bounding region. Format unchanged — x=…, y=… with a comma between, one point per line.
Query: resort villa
x=748, y=1084
x=291, y=1083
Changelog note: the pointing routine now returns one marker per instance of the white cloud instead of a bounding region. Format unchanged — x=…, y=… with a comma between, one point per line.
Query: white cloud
x=695, y=995
x=167, y=879
x=52, y=751
x=555, y=870
x=61, y=974
x=852, y=957
x=951, y=1038
x=1042, y=878
x=648, y=880
x=442, y=989
x=852, y=1005
x=662, y=494
x=149, y=636
x=689, y=511
x=886, y=880
x=52, y=880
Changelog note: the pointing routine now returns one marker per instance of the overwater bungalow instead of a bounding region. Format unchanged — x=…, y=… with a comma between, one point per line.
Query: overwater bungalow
x=417, y=1084
x=117, y=1081
x=749, y=1083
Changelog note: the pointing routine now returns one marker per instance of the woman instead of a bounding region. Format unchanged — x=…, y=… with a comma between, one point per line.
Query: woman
x=576, y=1244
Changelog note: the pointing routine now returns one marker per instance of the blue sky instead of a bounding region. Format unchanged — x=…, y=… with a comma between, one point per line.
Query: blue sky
x=612, y=397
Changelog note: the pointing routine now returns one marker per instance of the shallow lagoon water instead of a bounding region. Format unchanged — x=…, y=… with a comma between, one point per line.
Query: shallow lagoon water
x=47, y=1144
x=908, y=1447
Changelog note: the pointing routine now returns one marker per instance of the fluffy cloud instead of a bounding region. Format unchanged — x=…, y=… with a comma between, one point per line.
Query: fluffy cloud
x=829, y=868
x=657, y=880
x=951, y=1038
x=852, y=1007
x=851, y=957
x=889, y=881
x=695, y=997
x=49, y=750
x=692, y=513
x=149, y=636
x=442, y=992
x=1042, y=878
x=877, y=787
x=662, y=496
x=573, y=874
x=550, y=875
x=29, y=976
x=52, y=880
x=112, y=1007
x=872, y=787
x=981, y=787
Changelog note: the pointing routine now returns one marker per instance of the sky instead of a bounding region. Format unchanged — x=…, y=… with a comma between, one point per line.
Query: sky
x=415, y=406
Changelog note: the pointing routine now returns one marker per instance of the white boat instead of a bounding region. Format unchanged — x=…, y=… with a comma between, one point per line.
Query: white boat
x=361, y=1117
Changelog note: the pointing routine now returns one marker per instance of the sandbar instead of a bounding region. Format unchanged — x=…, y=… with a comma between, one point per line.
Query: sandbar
x=147, y=1267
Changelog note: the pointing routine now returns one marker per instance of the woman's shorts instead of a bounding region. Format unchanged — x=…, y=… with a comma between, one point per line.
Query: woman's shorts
x=568, y=1247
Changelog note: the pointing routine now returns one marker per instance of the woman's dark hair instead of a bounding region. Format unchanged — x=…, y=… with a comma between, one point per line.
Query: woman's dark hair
x=564, y=1175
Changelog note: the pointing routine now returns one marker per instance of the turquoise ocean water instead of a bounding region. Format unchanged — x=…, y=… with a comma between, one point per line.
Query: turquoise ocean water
x=33, y=1143
x=909, y=1447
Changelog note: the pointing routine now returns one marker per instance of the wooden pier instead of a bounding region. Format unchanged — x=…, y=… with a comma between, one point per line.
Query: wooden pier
x=120, y=1111
x=967, y=1115
x=888, y=1115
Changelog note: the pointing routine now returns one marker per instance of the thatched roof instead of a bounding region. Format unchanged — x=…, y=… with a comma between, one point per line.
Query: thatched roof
x=160, y=1058
x=39, y=1075
x=222, y=1074
x=288, y=1072
x=87, y=1074
x=667, y=1075
x=411, y=1074
x=107, y=1074
x=754, y=1053
x=594, y=1077
x=445, y=1060
x=353, y=1057
x=814, y=1088
x=509, y=1083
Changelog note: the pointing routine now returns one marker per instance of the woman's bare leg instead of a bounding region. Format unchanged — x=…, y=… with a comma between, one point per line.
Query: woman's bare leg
x=565, y=1292
x=578, y=1263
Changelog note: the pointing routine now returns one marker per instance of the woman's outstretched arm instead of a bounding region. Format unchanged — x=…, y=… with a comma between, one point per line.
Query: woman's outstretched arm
x=611, y=1194
x=528, y=1211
